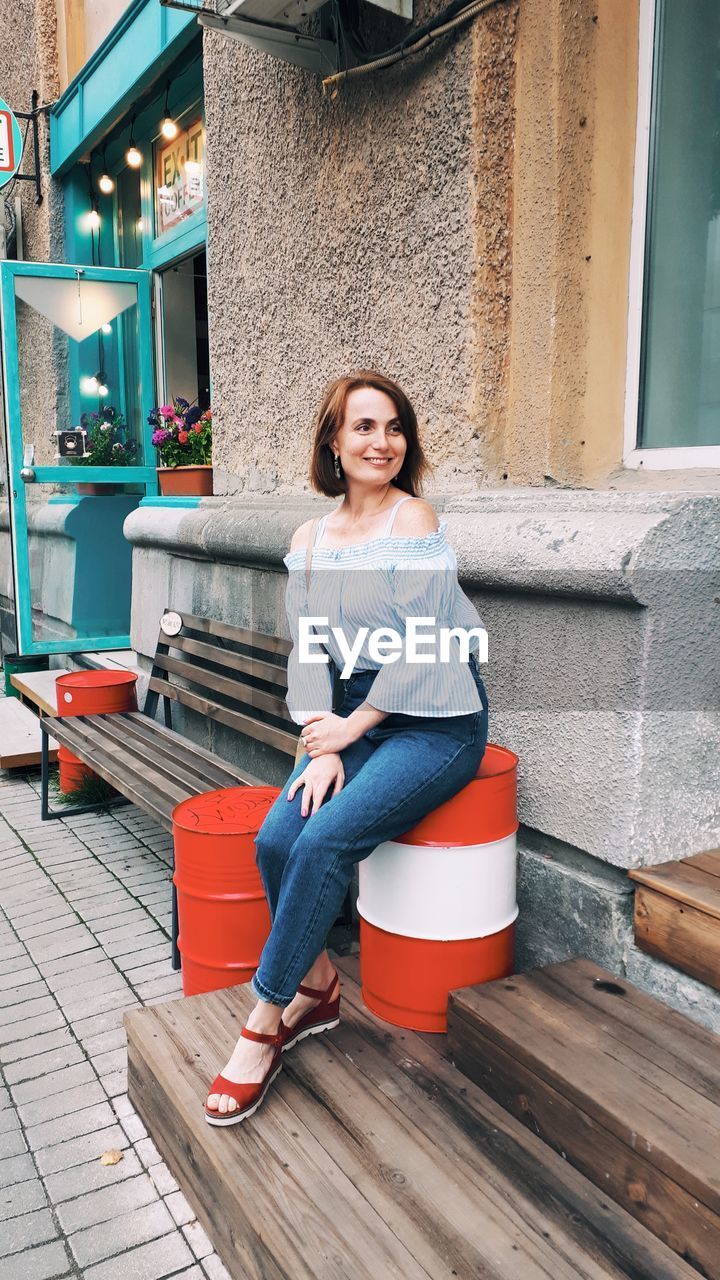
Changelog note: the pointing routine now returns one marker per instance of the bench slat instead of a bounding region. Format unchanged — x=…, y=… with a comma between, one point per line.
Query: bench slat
x=124, y=759
x=241, y=777
x=177, y=765
x=228, y=658
x=236, y=689
x=172, y=746
x=154, y=803
x=242, y=635
x=277, y=738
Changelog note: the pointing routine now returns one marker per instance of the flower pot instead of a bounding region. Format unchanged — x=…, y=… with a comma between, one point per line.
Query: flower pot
x=186, y=481
x=89, y=488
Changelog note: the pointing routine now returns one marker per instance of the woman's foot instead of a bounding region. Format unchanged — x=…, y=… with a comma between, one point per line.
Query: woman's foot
x=301, y=1005
x=250, y=1060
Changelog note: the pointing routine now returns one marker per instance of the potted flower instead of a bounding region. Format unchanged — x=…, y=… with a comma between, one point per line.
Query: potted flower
x=106, y=445
x=182, y=436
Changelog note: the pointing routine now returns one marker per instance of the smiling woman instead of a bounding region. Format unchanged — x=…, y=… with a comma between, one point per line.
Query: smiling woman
x=407, y=735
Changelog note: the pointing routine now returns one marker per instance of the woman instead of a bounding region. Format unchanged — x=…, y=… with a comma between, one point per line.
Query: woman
x=407, y=736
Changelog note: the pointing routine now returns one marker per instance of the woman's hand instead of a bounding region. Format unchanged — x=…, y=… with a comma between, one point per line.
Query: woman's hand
x=326, y=732
x=316, y=778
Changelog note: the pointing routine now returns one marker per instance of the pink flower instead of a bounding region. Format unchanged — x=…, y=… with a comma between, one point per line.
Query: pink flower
x=182, y=437
x=167, y=411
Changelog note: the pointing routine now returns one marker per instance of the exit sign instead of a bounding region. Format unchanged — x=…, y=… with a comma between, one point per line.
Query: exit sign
x=10, y=144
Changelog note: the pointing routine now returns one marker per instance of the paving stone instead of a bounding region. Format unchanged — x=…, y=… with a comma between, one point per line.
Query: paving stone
x=9, y=1119
x=30, y=991
x=147, y=972
x=10, y=951
x=114, y=1060
x=119, y=946
x=85, y=1178
x=45, y=1263
x=103, y=1021
x=147, y=1152
x=17, y=964
x=30, y=1229
x=67, y=942
x=62, y=1104
x=53, y=1083
x=123, y=1107
x=167, y=986
x=126, y=920
x=179, y=1208
x=82, y=1010
x=80, y=1150
x=66, y=964
x=26, y=1009
x=19, y=978
x=44, y=1063
x=16, y=1169
x=123, y=1231
x=151, y=1261
x=31, y=1027
x=134, y=1128
x=108, y=1202
x=40, y=928
x=105, y=1041
x=115, y=1083
x=198, y=1240
x=214, y=1268
x=74, y=1125
x=12, y=1143
x=163, y=1180
x=21, y=1198
x=133, y=959
x=93, y=971
x=36, y=1045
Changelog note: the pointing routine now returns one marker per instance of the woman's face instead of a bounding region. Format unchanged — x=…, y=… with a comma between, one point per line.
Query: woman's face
x=370, y=442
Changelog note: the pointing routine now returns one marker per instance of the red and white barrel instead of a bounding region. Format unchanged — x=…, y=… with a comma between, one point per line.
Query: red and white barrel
x=438, y=905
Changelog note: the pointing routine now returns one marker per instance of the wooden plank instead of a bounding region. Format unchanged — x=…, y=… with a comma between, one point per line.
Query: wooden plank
x=359, y=1137
x=123, y=761
x=20, y=740
x=535, y=1027
x=709, y=862
x=199, y=675
x=38, y=688
x=680, y=934
x=238, y=774
x=685, y=882
x=241, y=635
x=277, y=738
x=664, y=1208
x=154, y=803
x=158, y=759
x=174, y=745
x=274, y=674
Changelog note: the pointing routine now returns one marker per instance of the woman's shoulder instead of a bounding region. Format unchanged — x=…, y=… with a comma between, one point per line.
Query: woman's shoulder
x=416, y=518
x=301, y=536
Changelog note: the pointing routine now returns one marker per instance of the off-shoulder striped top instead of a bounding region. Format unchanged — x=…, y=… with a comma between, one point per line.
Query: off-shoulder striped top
x=380, y=584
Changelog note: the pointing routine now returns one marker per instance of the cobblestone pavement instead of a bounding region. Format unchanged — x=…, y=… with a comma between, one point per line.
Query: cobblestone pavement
x=84, y=935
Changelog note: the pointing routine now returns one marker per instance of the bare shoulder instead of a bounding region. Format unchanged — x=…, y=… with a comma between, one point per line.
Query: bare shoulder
x=415, y=519
x=301, y=536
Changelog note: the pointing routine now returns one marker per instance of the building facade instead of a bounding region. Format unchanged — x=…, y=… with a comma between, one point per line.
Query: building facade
x=521, y=225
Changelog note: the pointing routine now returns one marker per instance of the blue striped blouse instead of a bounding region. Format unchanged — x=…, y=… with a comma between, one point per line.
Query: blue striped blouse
x=379, y=584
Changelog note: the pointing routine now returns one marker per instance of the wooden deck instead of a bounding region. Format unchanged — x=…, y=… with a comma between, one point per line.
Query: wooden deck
x=626, y=1088
x=20, y=736
x=677, y=914
x=372, y=1157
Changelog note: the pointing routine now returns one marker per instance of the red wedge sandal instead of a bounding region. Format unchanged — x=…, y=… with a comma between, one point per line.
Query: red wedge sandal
x=247, y=1096
x=323, y=1017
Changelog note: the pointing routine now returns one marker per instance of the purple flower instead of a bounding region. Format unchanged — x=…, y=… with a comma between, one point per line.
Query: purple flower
x=160, y=437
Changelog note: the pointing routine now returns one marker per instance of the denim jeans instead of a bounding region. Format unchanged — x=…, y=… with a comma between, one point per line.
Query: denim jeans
x=394, y=775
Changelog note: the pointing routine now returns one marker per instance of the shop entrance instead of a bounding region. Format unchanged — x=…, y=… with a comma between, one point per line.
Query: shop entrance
x=183, y=357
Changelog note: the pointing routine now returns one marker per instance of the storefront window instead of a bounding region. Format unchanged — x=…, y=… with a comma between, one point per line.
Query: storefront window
x=179, y=177
x=680, y=378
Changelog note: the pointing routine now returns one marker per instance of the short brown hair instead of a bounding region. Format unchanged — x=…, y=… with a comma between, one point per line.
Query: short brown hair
x=330, y=417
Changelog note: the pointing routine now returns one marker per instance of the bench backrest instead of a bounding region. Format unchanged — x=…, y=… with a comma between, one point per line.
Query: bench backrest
x=231, y=674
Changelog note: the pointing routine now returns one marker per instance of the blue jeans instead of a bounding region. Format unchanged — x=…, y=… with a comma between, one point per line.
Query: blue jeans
x=396, y=774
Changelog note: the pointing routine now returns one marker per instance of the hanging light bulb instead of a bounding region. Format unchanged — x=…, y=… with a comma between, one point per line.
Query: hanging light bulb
x=133, y=156
x=102, y=388
x=106, y=184
x=89, y=386
x=107, y=328
x=93, y=220
x=169, y=127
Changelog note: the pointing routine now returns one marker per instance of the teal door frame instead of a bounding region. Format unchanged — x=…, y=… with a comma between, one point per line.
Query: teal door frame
x=144, y=474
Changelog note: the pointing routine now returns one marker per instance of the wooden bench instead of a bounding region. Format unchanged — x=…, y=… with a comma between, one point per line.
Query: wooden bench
x=232, y=675
x=677, y=914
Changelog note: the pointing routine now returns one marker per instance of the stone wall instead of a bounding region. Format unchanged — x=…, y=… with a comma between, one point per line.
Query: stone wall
x=371, y=230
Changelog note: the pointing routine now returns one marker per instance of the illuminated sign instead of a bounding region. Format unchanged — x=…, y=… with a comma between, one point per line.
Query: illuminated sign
x=180, y=177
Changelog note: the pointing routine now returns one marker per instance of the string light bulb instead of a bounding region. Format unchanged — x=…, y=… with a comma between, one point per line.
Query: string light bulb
x=93, y=220
x=89, y=386
x=106, y=184
x=102, y=388
x=133, y=156
x=169, y=127
x=107, y=328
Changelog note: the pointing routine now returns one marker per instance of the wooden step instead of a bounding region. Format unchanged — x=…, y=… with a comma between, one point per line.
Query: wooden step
x=20, y=736
x=677, y=914
x=372, y=1157
x=625, y=1088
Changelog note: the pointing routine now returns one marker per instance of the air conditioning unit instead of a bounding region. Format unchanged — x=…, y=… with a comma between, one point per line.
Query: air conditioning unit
x=273, y=26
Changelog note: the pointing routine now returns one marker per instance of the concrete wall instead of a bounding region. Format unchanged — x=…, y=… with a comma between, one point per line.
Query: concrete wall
x=369, y=230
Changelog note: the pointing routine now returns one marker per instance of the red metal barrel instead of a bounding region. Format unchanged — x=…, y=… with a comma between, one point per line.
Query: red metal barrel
x=72, y=772
x=438, y=905
x=93, y=693
x=223, y=914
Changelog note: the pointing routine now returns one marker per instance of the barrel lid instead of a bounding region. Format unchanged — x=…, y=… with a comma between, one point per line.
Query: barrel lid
x=496, y=761
x=95, y=679
x=230, y=811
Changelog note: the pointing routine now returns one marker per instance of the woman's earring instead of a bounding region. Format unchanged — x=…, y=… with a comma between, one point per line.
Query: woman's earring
x=336, y=464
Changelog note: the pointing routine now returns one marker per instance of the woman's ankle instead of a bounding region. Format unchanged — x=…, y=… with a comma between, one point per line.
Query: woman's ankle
x=265, y=1018
x=320, y=973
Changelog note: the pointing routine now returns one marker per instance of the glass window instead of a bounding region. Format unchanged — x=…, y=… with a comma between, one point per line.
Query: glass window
x=680, y=375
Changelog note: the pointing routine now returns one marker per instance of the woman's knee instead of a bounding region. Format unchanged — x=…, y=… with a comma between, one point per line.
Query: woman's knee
x=272, y=846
